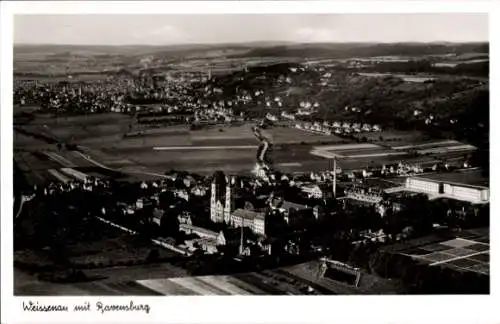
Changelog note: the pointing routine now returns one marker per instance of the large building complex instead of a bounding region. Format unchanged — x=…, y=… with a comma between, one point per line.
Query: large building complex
x=442, y=185
x=247, y=218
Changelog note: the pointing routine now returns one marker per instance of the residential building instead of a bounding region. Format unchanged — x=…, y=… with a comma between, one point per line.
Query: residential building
x=199, y=191
x=200, y=231
x=365, y=195
x=158, y=215
x=208, y=245
x=182, y=194
x=293, y=214
x=256, y=221
x=312, y=191
x=288, y=115
x=185, y=218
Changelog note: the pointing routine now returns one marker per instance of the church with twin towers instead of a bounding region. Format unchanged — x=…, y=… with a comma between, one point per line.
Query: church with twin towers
x=220, y=198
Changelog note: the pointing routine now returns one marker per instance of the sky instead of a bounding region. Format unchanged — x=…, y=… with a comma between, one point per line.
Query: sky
x=237, y=28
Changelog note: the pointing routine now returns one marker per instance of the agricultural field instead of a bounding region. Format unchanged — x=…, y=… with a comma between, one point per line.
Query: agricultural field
x=425, y=153
x=290, y=158
x=230, y=148
x=400, y=137
x=294, y=280
x=460, y=254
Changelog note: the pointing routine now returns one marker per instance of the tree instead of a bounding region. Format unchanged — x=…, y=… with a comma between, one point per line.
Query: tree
x=153, y=256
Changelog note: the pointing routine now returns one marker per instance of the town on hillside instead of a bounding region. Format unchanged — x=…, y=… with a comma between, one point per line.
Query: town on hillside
x=251, y=169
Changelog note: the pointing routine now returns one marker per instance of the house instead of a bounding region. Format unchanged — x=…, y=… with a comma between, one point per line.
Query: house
x=142, y=203
x=182, y=194
x=188, y=181
x=200, y=231
x=229, y=237
x=185, y=218
x=208, y=245
x=233, y=236
x=237, y=240
x=318, y=212
x=312, y=191
x=158, y=215
x=288, y=115
x=198, y=191
x=293, y=214
x=303, y=112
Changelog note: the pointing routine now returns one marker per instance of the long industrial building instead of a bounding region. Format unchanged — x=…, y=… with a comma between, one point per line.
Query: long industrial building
x=440, y=186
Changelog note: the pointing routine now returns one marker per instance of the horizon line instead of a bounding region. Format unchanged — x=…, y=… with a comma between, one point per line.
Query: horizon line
x=263, y=42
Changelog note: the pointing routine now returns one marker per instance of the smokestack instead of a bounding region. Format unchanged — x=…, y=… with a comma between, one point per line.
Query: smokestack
x=334, y=177
x=241, y=237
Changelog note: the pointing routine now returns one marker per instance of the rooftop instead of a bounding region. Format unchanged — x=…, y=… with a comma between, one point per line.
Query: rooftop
x=198, y=229
x=248, y=214
x=468, y=178
x=288, y=205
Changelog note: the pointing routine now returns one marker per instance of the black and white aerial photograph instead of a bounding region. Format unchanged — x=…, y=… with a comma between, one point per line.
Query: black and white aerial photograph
x=251, y=154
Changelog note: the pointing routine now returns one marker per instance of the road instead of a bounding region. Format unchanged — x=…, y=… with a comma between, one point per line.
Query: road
x=194, y=148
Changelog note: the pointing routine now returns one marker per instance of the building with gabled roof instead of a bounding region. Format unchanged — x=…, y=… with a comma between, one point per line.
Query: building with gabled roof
x=256, y=221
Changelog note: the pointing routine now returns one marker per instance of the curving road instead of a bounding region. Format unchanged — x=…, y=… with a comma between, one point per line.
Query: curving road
x=263, y=150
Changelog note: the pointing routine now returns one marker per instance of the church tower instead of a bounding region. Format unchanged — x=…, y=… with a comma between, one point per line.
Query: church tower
x=227, y=204
x=220, y=198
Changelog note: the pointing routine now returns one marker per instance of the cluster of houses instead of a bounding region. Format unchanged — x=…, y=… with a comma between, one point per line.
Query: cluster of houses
x=287, y=116
x=247, y=225
x=336, y=127
x=314, y=127
x=401, y=169
x=216, y=113
x=368, y=195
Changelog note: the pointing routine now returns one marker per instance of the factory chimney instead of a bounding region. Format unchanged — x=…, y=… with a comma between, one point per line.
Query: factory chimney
x=334, y=177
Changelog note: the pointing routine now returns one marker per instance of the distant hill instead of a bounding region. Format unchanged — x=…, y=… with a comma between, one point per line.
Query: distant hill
x=262, y=49
x=366, y=50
